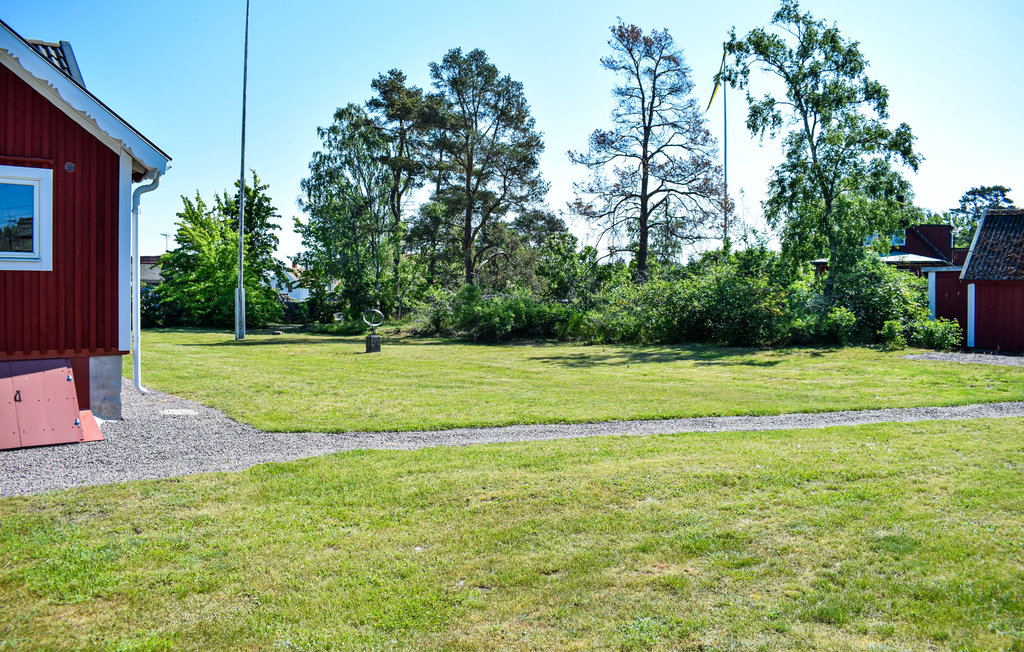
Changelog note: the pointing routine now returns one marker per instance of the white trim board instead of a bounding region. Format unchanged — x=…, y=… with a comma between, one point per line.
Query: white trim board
x=124, y=253
x=974, y=241
x=932, y=303
x=971, y=298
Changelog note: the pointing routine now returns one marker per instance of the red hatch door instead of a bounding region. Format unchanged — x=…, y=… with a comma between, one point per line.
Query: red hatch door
x=45, y=402
x=10, y=436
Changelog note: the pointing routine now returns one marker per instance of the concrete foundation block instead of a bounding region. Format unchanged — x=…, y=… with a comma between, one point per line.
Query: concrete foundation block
x=105, y=386
x=373, y=343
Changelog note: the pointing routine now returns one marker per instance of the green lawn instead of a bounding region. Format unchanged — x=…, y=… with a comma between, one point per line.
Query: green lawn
x=888, y=537
x=300, y=382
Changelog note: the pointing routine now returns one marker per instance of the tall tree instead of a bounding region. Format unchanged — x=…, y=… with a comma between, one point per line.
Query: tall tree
x=434, y=236
x=346, y=198
x=534, y=227
x=201, y=273
x=976, y=201
x=654, y=172
x=838, y=182
x=261, y=224
x=404, y=117
x=490, y=149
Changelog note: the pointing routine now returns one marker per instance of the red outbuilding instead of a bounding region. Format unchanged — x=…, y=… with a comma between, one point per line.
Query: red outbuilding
x=994, y=276
x=983, y=286
x=68, y=225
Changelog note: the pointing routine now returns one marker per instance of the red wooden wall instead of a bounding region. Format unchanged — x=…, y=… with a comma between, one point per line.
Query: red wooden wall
x=72, y=309
x=999, y=315
x=951, y=299
x=938, y=235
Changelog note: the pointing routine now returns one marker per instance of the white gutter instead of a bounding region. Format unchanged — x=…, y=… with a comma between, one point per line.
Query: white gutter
x=137, y=286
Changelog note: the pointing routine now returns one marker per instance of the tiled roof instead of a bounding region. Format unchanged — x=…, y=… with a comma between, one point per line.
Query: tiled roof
x=998, y=250
x=60, y=55
x=149, y=269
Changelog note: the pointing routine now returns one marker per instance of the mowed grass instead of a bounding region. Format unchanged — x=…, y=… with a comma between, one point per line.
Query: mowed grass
x=307, y=382
x=900, y=536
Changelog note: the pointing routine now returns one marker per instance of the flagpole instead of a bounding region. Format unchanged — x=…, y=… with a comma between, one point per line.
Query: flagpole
x=240, y=291
x=725, y=166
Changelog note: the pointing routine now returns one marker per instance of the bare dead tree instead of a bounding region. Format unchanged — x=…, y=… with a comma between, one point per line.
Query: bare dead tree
x=654, y=179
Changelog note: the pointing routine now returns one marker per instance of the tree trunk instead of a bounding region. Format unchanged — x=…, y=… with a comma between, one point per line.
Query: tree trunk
x=467, y=245
x=830, y=276
x=467, y=227
x=641, y=252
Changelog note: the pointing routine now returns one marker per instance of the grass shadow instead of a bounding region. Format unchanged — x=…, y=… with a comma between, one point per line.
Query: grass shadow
x=699, y=355
x=625, y=354
x=277, y=341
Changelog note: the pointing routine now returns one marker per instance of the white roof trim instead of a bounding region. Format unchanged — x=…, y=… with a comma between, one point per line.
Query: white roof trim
x=892, y=259
x=83, y=104
x=974, y=241
x=909, y=259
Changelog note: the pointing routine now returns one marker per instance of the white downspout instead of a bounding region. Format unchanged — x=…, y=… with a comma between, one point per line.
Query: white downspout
x=137, y=286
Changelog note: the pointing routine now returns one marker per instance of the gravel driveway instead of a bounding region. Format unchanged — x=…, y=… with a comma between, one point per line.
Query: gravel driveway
x=163, y=436
x=971, y=358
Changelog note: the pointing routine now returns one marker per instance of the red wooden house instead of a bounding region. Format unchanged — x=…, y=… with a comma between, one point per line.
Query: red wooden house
x=994, y=276
x=68, y=222
x=983, y=287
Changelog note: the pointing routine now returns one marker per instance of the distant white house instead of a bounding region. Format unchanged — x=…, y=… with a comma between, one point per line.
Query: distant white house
x=294, y=289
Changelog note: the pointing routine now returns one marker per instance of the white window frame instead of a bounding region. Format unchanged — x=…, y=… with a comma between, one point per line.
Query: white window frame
x=40, y=259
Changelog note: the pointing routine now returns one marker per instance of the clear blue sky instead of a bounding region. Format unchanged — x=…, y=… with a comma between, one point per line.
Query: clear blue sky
x=173, y=70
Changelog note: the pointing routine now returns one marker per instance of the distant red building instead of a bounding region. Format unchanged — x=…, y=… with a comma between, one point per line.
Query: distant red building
x=983, y=287
x=923, y=246
x=67, y=164
x=994, y=277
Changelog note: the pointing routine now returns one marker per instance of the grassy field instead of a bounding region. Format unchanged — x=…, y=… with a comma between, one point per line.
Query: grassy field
x=301, y=382
x=903, y=536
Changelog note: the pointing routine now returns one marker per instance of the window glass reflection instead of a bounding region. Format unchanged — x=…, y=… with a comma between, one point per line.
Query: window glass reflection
x=16, y=217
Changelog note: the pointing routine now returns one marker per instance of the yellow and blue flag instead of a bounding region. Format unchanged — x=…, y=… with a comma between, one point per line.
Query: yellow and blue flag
x=718, y=81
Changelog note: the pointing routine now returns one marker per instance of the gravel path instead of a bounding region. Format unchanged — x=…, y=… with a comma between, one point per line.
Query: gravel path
x=971, y=358
x=164, y=436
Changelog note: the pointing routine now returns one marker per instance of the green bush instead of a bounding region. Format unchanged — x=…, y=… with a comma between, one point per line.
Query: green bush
x=940, y=334
x=892, y=335
x=875, y=293
x=295, y=312
x=155, y=311
x=468, y=313
x=741, y=310
x=743, y=299
x=638, y=313
x=716, y=305
x=347, y=327
x=838, y=326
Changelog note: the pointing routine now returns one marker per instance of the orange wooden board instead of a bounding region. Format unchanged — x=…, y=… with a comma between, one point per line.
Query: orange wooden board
x=90, y=429
x=10, y=434
x=45, y=401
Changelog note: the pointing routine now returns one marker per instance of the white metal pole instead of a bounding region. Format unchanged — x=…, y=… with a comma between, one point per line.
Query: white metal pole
x=240, y=292
x=725, y=168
